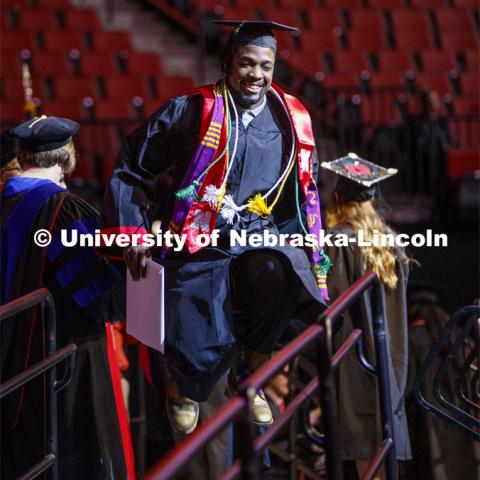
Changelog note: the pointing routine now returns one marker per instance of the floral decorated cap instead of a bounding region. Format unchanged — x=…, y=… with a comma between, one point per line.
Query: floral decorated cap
x=358, y=178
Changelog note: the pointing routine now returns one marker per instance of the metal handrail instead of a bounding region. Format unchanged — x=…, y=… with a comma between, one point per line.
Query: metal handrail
x=239, y=407
x=46, y=366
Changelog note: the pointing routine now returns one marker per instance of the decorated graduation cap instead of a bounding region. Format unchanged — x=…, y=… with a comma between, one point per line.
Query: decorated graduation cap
x=358, y=178
x=9, y=144
x=251, y=32
x=45, y=133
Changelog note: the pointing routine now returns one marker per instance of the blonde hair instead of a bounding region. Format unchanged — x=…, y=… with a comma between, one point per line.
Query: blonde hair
x=363, y=216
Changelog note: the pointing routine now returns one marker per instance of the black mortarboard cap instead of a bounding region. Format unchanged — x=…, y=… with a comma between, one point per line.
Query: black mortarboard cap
x=358, y=178
x=45, y=133
x=9, y=144
x=252, y=32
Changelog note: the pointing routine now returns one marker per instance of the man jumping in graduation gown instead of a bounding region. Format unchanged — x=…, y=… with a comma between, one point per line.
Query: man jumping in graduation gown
x=235, y=155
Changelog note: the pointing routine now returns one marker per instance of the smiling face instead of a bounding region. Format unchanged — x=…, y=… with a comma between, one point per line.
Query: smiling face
x=250, y=74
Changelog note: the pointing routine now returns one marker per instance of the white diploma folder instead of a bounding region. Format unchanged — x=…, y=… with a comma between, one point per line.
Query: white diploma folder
x=145, y=307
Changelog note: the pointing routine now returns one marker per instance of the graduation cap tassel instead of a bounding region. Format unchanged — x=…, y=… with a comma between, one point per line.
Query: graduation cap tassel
x=258, y=206
x=212, y=195
x=188, y=192
x=229, y=210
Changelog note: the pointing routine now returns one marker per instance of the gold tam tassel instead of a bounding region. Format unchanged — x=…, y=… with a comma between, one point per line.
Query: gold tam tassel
x=258, y=205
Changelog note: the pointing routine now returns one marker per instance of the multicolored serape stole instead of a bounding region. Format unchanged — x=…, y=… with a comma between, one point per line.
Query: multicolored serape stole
x=199, y=216
x=305, y=147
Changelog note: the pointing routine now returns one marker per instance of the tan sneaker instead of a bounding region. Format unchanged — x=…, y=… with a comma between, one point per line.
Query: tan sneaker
x=182, y=411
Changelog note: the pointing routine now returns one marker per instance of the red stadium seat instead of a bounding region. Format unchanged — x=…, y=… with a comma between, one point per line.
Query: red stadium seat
x=151, y=106
x=244, y=13
x=469, y=84
x=449, y=20
x=113, y=110
x=378, y=110
x=12, y=111
x=99, y=139
x=62, y=41
x=97, y=64
x=318, y=41
x=407, y=20
x=72, y=109
x=125, y=87
x=437, y=61
x=413, y=41
x=306, y=62
x=457, y=41
x=324, y=19
x=462, y=161
x=284, y=16
x=10, y=64
x=45, y=4
x=366, y=39
x=386, y=3
x=84, y=19
x=434, y=81
x=84, y=167
x=111, y=41
x=366, y=18
x=466, y=106
x=339, y=80
x=393, y=61
x=466, y=3
x=144, y=64
x=473, y=64
x=42, y=64
x=17, y=40
x=74, y=88
x=387, y=79
x=343, y=3
x=12, y=88
x=168, y=87
x=350, y=62
x=427, y=3
x=35, y=19
x=299, y=3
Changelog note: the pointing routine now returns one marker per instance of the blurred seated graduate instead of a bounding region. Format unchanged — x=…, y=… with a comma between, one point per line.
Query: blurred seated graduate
x=87, y=292
x=354, y=208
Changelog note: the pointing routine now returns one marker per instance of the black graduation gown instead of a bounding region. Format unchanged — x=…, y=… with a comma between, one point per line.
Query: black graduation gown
x=87, y=292
x=359, y=420
x=199, y=335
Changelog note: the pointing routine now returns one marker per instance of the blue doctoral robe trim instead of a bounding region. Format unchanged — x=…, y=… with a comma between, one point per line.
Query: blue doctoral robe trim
x=19, y=222
x=56, y=248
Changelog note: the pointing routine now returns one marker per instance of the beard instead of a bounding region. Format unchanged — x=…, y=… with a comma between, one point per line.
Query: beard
x=247, y=101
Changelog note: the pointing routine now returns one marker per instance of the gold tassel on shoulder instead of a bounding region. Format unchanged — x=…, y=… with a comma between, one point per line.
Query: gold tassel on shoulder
x=258, y=206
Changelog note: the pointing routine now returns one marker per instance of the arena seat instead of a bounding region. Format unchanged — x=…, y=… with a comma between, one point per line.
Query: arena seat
x=457, y=41
x=465, y=132
x=306, y=61
x=94, y=63
x=113, y=110
x=111, y=41
x=413, y=41
x=125, y=86
x=408, y=20
x=144, y=64
x=434, y=81
x=349, y=62
x=285, y=16
x=167, y=87
x=74, y=88
x=466, y=106
x=12, y=112
x=427, y=3
x=387, y=79
x=12, y=88
x=34, y=19
x=436, y=61
x=10, y=64
x=84, y=19
x=16, y=40
x=462, y=161
x=368, y=39
x=343, y=3
x=365, y=18
x=472, y=60
x=42, y=64
x=318, y=41
x=60, y=108
x=84, y=168
x=341, y=80
x=324, y=19
x=386, y=4
x=449, y=20
x=62, y=41
x=393, y=61
x=469, y=83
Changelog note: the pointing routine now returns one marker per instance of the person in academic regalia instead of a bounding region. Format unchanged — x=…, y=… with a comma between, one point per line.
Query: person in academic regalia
x=9, y=166
x=240, y=156
x=353, y=207
x=87, y=292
